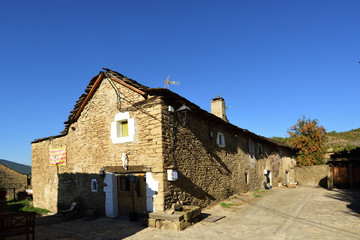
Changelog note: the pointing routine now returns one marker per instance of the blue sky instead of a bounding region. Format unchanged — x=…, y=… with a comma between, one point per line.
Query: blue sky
x=272, y=61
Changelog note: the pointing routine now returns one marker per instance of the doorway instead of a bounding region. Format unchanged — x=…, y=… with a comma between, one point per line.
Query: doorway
x=268, y=181
x=131, y=188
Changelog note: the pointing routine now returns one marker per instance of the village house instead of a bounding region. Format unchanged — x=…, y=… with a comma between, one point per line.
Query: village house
x=15, y=178
x=130, y=148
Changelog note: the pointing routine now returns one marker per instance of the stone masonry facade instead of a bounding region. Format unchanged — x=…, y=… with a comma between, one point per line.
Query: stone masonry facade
x=89, y=148
x=207, y=172
x=11, y=179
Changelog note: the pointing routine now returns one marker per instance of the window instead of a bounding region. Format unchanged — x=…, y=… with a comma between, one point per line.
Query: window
x=251, y=149
x=94, y=185
x=260, y=149
x=124, y=184
x=220, y=139
x=123, y=128
x=246, y=177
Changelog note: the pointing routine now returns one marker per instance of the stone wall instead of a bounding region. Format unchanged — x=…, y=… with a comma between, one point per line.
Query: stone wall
x=209, y=172
x=312, y=176
x=12, y=179
x=90, y=148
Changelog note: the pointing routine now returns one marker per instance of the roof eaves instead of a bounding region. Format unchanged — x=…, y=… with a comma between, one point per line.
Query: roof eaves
x=166, y=93
x=89, y=92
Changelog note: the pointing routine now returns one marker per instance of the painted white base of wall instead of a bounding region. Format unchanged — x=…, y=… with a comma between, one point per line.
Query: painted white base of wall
x=152, y=187
x=111, y=200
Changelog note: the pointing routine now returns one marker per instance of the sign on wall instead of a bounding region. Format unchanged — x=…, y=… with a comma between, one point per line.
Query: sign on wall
x=57, y=156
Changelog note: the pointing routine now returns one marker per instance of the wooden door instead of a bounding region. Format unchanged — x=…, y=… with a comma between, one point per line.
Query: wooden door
x=125, y=195
x=131, y=194
x=341, y=177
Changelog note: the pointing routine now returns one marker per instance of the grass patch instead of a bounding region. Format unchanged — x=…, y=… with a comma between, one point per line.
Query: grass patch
x=24, y=206
x=256, y=195
x=261, y=190
x=229, y=205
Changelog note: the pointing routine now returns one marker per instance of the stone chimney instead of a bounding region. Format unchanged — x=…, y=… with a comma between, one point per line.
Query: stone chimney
x=218, y=108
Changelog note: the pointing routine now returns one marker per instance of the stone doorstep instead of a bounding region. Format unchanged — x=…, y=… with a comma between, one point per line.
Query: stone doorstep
x=192, y=213
x=176, y=221
x=168, y=225
x=164, y=216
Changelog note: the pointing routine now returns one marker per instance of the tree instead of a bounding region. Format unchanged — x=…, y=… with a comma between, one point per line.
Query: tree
x=308, y=138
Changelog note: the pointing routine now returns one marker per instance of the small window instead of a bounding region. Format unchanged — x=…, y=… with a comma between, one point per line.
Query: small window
x=260, y=150
x=251, y=149
x=220, y=139
x=246, y=177
x=94, y=185
x=124, y=184
x=123, y=128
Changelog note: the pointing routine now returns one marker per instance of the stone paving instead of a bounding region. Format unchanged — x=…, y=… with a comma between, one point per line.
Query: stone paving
x=281, y=213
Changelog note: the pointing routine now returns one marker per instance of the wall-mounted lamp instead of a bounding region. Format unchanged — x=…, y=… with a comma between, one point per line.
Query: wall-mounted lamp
x=182, y=111
x=172, y=173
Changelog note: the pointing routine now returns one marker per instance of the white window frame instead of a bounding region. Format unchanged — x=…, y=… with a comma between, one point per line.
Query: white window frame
x=94, y=185
x=220, y=139
x=122, y=117
x=251, y=148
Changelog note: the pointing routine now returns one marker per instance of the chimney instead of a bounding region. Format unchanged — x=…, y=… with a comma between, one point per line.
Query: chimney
x=218, y=108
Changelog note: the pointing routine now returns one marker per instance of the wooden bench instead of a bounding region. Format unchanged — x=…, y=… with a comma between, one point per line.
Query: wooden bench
x=14, y=224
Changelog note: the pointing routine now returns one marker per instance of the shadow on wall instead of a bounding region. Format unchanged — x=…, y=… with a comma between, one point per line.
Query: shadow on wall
x=86, y=189
x=352, y=197
x=191, y=189
x=324, y=182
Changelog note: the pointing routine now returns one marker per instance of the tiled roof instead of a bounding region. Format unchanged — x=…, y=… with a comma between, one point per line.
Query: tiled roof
x=163, y=92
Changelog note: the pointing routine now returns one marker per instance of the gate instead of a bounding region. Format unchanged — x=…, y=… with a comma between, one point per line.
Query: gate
x=346, y=174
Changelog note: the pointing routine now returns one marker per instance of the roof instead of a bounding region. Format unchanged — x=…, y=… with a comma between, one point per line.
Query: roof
x=20, y=168
x=146, y=91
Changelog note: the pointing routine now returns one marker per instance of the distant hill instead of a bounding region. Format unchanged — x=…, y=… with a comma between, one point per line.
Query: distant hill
x=21, y=168
x=337, y=141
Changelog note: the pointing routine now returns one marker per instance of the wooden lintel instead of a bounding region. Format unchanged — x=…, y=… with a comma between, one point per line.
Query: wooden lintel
x=88, y=96
x=127, y=85
x=131, y=169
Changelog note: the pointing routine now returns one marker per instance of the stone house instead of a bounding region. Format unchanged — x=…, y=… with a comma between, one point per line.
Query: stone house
x=131, y=148
x=15, y=178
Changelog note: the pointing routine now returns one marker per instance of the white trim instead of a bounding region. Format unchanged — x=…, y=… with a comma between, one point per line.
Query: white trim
x=152, y=187
x=111, y=197
x=94, y=185
x=220, y=139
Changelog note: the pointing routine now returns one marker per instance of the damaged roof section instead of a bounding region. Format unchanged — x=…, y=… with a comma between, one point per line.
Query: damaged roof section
x=164, y=93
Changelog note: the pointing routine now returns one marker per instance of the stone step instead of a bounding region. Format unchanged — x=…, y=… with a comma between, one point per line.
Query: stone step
x=165, y=216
